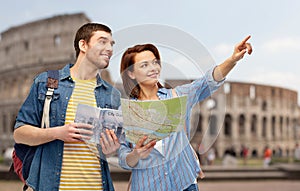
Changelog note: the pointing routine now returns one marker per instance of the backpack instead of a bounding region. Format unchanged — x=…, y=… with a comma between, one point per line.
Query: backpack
x=23, y=154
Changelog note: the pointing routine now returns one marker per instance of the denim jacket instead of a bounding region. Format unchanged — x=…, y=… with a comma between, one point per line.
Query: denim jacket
x=46, y=165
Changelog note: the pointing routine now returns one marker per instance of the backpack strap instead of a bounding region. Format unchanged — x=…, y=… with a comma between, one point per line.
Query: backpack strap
x=52, y=83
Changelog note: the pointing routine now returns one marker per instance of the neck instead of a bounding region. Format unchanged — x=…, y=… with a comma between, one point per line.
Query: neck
x=148, y=93
x=83, y=71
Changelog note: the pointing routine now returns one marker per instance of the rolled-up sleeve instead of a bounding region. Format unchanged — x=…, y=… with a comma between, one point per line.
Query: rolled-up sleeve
x=123, y=152
x=197, y=91
x=201, y=88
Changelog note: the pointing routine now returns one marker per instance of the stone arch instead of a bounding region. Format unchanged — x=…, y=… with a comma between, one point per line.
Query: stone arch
x=200, y=127
x=228, y=125
x=213, y=125
x=242, y=125
x=264, y=127
x=294, y=126
x=253, y=127
x=264, y=106
x=57, y=40
x=281, y=127
x=273, y=128
x=287, y=121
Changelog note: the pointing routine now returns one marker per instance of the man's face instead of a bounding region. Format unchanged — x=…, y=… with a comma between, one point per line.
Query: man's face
x=100, y=49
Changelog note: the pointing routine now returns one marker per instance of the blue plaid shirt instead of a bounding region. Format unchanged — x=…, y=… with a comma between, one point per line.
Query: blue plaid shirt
x=174, y=166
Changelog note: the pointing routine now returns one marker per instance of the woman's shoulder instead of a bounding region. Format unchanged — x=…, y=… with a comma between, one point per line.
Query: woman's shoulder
x=167, y=92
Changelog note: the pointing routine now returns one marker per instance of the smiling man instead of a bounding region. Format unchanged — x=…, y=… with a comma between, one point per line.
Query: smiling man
x=62, y=160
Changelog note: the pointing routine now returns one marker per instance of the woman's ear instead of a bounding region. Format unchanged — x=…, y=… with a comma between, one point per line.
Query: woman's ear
x=130, y=74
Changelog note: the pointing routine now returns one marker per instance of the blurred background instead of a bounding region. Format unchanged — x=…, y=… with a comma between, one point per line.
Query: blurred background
x=247, y=131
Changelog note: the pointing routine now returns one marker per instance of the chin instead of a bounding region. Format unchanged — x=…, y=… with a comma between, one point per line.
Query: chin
x=105, y=65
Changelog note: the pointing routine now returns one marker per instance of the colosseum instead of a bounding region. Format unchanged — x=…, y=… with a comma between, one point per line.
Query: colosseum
x=239, y=114
x=246, y=115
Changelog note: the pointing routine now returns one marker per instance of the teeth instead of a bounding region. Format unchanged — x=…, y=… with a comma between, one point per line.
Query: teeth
x=105, y=55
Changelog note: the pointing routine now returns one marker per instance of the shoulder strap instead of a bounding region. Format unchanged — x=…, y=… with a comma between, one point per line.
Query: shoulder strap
x=52, y=83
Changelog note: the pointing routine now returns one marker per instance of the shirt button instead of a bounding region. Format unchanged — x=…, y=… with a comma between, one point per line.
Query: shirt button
x=166, y=173
x=67, y=97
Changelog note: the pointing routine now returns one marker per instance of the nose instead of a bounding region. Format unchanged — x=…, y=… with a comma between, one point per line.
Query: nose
x=109, y=47
x=152, y=67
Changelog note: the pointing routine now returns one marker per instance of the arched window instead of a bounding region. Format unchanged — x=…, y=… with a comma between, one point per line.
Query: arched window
x=287, y=127
x=242, y=124
x=213, y=125
x=281, y=127
x=227, y=125
x=253, y=125
x=199, y=128
x=264, y=106
x=295, y=126
x=264, y=127
x=273, y=127
x=226, y=88
x=57, y=40
x=26, y=45
x=252, y=93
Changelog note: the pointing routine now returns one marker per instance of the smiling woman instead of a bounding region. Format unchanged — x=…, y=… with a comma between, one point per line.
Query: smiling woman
x=140, y=71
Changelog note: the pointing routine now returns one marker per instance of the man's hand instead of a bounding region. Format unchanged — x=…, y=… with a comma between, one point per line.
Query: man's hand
x=109, y=142
x=74, y=132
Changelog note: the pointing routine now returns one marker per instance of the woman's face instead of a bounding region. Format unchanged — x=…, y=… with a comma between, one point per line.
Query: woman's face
x=146, y=68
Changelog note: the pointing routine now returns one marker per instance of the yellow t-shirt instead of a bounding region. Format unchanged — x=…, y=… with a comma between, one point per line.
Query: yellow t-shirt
x=80, y=167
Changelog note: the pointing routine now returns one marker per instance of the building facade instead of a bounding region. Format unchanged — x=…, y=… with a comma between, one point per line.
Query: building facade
x=246, y=115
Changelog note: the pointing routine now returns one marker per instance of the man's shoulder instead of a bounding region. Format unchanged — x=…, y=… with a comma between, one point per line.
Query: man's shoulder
x=42, y=77
x=111, y=87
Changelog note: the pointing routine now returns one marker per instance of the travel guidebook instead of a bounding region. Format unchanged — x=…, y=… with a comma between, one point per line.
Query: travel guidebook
x=101, y=119
x=156, y=119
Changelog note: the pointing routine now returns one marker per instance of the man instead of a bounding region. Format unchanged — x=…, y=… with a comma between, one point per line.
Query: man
x=62, y=161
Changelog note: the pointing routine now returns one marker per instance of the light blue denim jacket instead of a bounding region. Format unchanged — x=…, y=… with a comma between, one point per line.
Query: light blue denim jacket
x=46, y=165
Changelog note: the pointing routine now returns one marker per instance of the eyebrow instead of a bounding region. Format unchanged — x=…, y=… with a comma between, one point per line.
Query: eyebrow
x=105, y=38
x=146, y=61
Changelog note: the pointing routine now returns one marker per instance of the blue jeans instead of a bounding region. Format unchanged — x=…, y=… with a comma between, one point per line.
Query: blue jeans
x=192, y=187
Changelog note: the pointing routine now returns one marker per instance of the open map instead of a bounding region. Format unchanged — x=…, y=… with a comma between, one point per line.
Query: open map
x=156, y=119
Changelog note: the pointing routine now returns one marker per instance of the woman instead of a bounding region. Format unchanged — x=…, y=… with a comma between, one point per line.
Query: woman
x=154, y=165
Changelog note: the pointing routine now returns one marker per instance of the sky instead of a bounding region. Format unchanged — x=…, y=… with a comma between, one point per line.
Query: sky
x=274, y=27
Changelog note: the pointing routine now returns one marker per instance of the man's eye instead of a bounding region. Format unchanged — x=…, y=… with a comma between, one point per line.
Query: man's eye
x=103, y=41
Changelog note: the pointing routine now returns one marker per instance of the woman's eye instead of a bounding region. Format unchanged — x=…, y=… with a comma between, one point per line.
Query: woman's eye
x=144, y=65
